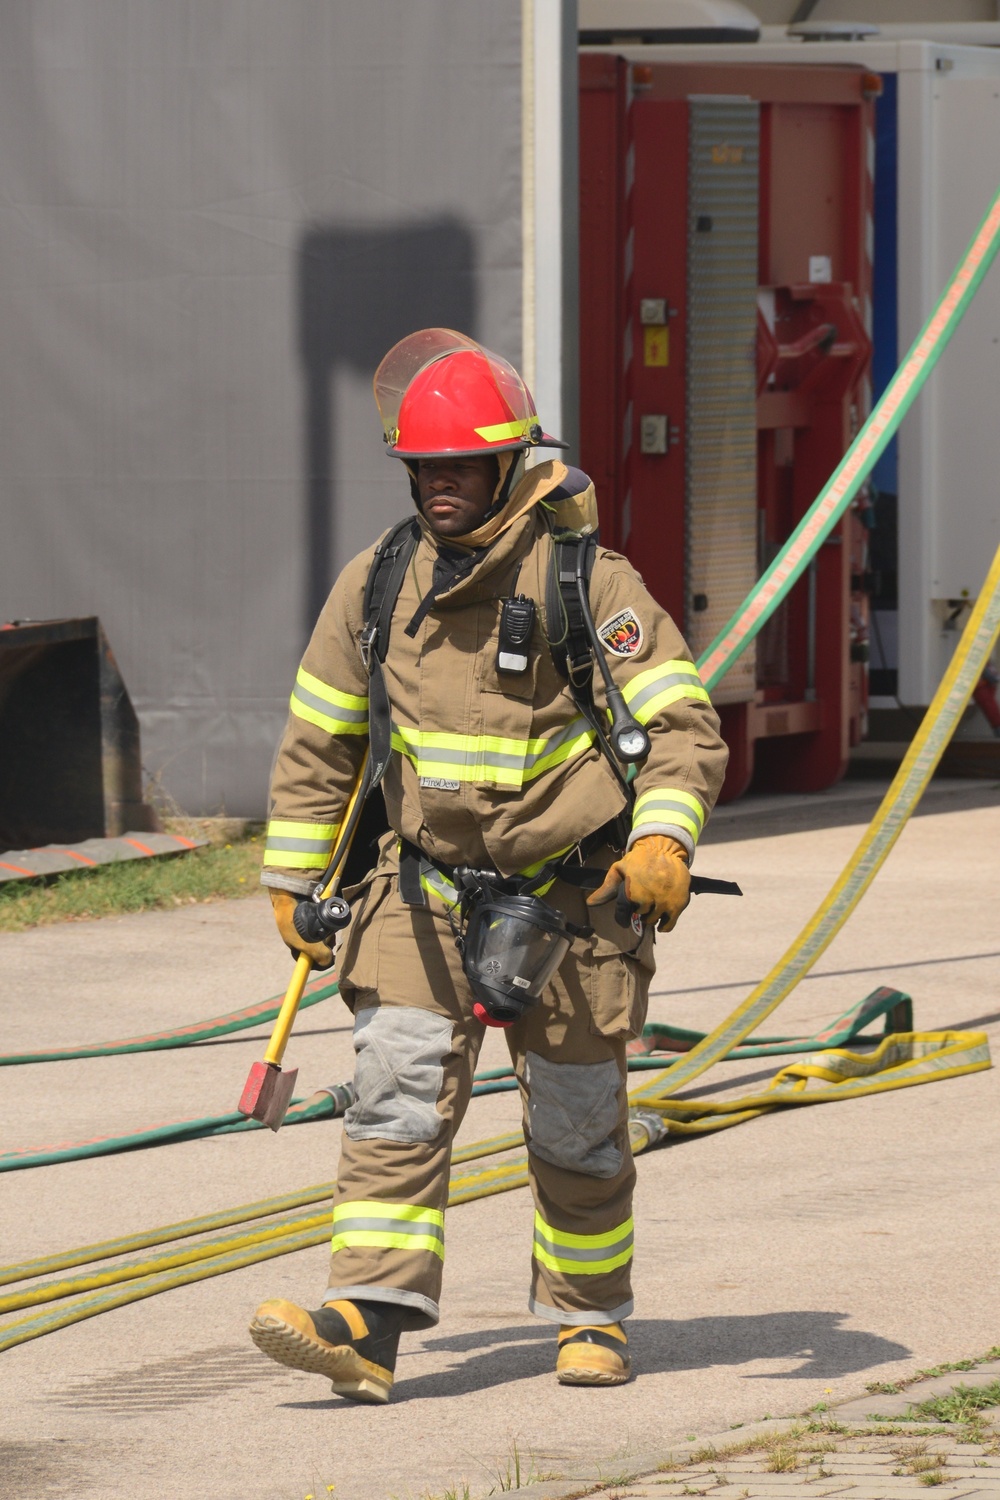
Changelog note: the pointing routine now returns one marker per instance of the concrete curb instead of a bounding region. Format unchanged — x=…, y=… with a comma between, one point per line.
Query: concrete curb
x=858, y=1411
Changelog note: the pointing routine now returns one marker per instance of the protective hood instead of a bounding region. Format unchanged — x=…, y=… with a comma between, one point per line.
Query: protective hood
x=566, y=493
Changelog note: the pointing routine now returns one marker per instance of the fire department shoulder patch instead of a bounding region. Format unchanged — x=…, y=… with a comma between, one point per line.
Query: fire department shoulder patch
x=622, y=633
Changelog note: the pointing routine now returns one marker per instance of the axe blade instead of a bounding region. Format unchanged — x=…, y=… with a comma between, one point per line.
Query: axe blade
x=267, y=1094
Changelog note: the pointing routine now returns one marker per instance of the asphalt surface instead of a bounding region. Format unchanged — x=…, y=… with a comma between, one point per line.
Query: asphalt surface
x=779, y=1264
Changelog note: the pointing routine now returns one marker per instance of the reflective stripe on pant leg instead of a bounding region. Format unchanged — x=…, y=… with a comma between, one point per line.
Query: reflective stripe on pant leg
x=388, y=1241
x=582, y=1254
x=387, y=1226
x=582, y=1260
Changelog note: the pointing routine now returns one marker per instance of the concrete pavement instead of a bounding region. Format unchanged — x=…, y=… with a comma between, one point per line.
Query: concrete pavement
x=779, y=1264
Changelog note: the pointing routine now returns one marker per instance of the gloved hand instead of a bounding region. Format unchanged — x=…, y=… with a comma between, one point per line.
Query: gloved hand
x=653, y=878
x=284, y=904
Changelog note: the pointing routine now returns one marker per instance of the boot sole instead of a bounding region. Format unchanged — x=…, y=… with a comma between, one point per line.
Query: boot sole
x=591, y=1377
x=353, y=1377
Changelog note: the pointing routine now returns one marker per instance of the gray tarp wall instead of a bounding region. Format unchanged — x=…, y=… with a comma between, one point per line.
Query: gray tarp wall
x=215, y=217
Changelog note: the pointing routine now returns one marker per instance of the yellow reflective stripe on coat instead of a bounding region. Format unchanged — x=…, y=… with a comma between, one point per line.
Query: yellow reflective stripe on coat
x=299, y=846
x=387, y=1226
x=655, y=689
x=319, y=703
x=582, y=1254
x=667, y=804
x=491, y=758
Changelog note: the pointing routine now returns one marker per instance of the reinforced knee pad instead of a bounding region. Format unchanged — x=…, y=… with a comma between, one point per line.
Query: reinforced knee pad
x=398, y=1075
x=573, y=1114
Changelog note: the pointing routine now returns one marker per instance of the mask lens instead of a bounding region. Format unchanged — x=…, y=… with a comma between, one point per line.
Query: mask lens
x=515, y=953
x=513, y=947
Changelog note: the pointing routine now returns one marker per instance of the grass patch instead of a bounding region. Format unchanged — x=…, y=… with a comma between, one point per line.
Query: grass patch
x=213, y=874
x=894, y=1387
x=960, y=1405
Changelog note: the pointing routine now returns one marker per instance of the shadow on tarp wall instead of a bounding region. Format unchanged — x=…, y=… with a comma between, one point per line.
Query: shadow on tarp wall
x=70, y=762
x=359, y=292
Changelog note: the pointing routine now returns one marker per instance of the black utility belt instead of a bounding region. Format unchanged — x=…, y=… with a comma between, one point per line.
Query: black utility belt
x=571, y=867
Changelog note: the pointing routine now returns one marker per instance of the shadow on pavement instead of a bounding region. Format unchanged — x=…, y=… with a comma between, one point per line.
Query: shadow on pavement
x=816, y=1338
x=499, y=1356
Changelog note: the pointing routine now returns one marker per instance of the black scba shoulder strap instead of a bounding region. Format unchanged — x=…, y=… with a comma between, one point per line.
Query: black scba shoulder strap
x=385, y=579
x=569, y=640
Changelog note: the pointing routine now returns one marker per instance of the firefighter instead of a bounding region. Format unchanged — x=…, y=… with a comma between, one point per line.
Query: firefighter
x=493, y=767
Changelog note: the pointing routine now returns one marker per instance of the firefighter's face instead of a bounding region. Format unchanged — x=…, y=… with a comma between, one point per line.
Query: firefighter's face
x=456, y=493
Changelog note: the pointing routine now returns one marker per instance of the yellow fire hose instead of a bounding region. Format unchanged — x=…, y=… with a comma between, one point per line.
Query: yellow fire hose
x=930, y=1055
x=138, y=1279
x=51, y=1291
x=900, y=1061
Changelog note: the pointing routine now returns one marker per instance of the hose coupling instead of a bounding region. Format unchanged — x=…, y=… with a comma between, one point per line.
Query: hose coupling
x=654, y=1125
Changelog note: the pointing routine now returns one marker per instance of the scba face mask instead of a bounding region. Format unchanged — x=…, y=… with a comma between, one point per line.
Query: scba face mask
x=511, y=947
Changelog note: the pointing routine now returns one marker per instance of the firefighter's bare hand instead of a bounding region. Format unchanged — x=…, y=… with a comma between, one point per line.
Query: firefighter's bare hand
x=284, y=904
x=652, y=878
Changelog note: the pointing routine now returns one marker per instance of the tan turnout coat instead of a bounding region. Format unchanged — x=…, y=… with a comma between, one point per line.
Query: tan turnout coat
x=489, y=767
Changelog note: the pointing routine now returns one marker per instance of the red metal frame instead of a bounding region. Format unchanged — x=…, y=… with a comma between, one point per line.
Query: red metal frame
x=815, y=198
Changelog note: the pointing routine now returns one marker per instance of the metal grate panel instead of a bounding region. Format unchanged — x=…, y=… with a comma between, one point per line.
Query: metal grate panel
x=721, y=493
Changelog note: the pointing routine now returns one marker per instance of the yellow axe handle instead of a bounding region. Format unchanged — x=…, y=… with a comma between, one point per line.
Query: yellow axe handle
x=303, y=964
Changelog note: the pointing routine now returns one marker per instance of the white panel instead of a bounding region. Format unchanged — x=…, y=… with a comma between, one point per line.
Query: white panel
x=966, y=460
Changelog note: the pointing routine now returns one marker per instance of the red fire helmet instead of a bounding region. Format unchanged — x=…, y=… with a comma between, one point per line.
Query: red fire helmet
x=440, y=392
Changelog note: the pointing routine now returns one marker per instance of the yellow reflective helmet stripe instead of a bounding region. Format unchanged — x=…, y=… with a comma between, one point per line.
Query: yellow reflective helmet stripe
x=376, y=1225
x=666, y=804
x=649, y=692
x=299, y=846
x=327, y=707
x=582, y=1254
x=504, y=430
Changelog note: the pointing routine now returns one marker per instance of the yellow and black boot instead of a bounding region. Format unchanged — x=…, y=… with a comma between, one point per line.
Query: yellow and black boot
x=352, y=1343
x=593, y=1356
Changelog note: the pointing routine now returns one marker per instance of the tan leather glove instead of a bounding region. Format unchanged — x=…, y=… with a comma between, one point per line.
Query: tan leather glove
x=284, y=904
x=652, y=877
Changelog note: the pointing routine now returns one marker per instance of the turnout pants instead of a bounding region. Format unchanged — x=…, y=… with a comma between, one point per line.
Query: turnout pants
x=417, y=1043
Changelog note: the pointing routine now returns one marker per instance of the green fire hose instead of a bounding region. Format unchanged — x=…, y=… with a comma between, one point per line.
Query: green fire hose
x=657, y=1037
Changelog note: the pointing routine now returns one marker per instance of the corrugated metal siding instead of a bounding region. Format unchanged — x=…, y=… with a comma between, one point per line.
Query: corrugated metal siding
x=721, y=400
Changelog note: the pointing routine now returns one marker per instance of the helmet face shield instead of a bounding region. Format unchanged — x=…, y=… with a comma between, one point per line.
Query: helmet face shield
x=513, y=947
x=439, y=392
